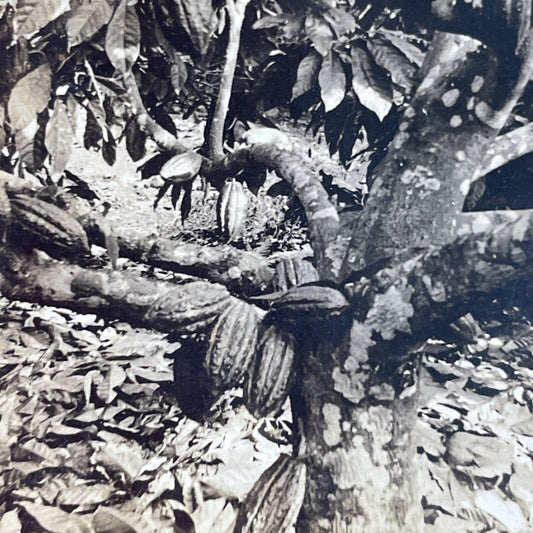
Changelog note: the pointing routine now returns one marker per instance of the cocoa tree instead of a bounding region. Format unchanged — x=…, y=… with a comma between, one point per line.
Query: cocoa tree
x=344, y=348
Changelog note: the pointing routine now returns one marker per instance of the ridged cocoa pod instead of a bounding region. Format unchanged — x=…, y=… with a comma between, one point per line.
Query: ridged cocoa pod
x=231, y=209
x=194, y=309
x=232, y=345
x=182, y=167
x=309, y=303
x=293, y=270
x=273, y=504
x=268, y=385
x=48, y=227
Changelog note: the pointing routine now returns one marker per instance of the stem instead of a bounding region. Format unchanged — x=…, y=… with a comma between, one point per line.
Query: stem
x=161, y=136
x=235, y=9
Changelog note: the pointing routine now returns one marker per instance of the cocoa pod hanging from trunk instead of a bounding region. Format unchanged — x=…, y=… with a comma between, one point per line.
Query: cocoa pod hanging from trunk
x=47, y=227
x=270, y=381
x=309, y=303
x=232, y=345
x=274, y=502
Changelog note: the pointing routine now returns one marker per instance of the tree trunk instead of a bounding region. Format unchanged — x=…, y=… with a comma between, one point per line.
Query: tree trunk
x=362, y=475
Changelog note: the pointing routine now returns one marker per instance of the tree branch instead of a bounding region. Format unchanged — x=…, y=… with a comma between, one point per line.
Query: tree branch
x=440, y=285
x=160, y=305
x=245, y=272
x=506, y=148
x=160, y=135
x=235, y=10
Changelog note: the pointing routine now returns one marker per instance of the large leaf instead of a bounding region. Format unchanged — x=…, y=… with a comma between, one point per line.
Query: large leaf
x=123, y=37
x=59, y=138
x=405, y=43
x=372, y=90
x=24, y=142
x=332, y=81
x=198, y=19
x=320, y=33
x=135, y=139
x=86, y=20
x=29, y=97
x=50, y=518
x=386, y=55
x=33, y=15
x=306, y=75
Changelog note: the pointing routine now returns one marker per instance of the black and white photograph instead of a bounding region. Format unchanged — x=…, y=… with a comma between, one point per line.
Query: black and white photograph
x=266, y=266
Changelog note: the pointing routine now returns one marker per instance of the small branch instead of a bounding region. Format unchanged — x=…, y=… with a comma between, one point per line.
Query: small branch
x=506, y=148
x=235, y=10
x=161, y=136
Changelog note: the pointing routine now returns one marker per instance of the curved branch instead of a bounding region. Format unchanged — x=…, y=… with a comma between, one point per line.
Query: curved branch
x=161, y=136
x=322, y=217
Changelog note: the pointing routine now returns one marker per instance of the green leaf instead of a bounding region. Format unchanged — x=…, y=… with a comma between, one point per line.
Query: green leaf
x=33, y=15
x=405, y=43
x=59, y=138
x=135, y=139
x=320, y=33
x=29, y=97
x=306, y=75
x=86, y=20
x=332, y=81
x=123, y=37
x=373, y=91
x=198, y=20
x=386, y=55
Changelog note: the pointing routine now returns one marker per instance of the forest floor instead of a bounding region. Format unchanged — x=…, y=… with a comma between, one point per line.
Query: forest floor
x=92, y=438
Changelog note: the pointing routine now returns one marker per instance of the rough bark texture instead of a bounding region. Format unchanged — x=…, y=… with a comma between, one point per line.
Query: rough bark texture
x=244, y=272
x=160, y=305
x=427, y=172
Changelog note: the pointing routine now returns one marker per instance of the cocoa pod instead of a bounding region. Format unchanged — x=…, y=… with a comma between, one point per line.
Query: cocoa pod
x=182, y=167
x=309, y=303
x=293, y=270
x=273, y=504
x=232, y=345
x=272, y=375
x=47, y=227
x=195, y=308
x=231, y=209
